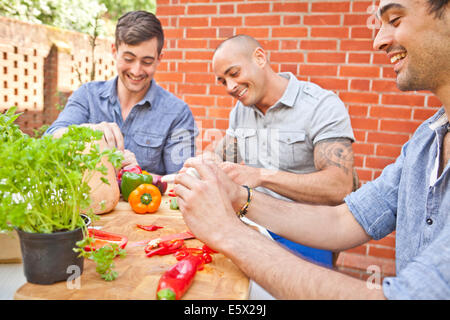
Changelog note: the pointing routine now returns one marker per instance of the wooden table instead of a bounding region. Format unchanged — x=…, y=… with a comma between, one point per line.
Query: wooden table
x=138, y=275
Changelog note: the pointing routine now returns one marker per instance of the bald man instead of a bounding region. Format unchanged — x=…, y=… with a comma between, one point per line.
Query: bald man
x=288, y=138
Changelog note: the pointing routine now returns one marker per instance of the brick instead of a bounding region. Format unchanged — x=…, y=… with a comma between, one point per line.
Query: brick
x=406, y=99
x=398, y=126
x=191, y=44
x=384, y=86
x=356, y=19
x=253, y=8
x=388, y=138
x=191, y=89
x=286, y=57
x=325, y=20
x=254, y=32
x=318, y=45
x=356, y=45
x=201, y=33
x=388, y=151
x=289, y=44
x=226, y=21
x=330, y=6
x=359, y=84
x=433, y=101
x=169, y=77
x=222, y=113
x=363, y=148
x=263, y=20
x=387, y=253
x=378, y=163
x=365, y=124
x=196, y=111
x=326, y=57
x=423, y=113
x=359, y=58
x=390, y=112
x=193, y=22
x=289, y=32
x=331, y=83
x=290, y=7
x=318, y=70
x=359, y=71
x=171, y=10
x=362, y=33
x=290, y=20
x=327, y=32
x=193, y=66
x=359, y=97
x=360, y=111
x=201, y=9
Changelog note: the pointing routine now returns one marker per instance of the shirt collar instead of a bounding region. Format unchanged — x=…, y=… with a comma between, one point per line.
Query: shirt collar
x=109, y=91
x=290, y=94
x=440, y=120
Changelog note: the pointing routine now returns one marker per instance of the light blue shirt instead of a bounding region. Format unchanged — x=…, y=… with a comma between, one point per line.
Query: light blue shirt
x=411, y=199
x=160, y=129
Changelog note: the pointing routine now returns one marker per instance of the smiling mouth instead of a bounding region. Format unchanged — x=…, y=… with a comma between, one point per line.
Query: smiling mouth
x=398, y=57
x=135, y=78
x=240, y=94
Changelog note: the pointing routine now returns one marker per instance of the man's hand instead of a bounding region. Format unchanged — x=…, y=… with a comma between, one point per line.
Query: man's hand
x=206, y=203
x=111, y=133
x=242, y=174
x=129, y=159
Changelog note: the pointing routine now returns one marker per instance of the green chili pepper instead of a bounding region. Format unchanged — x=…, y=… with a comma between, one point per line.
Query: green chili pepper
x=131, y=181
x=174, y=204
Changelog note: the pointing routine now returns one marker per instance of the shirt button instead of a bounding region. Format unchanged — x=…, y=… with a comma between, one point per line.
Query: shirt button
x=429, y=221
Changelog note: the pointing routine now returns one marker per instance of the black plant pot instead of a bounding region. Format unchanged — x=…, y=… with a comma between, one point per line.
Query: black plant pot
x=49, y=257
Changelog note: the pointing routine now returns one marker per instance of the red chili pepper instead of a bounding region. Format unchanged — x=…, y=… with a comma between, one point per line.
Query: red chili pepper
x=150, y=227
x=207, y=249
x=102, y=238
x=174, y=283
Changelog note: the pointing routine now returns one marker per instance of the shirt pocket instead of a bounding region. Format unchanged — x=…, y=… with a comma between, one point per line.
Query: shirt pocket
x=247, y=141
x=148, y=148
x=293, y=149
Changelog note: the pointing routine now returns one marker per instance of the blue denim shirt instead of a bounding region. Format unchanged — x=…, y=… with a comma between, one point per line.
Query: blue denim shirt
x=160, y=129
x=404, y=199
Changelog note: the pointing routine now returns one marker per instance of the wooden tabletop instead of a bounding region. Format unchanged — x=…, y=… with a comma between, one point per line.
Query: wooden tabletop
x=138, y=275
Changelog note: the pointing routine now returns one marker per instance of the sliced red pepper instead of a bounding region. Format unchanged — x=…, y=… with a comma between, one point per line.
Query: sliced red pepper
x=164, y=248
x=174, y=283
x=207, y=249
x=102, y=238
x=150, y=227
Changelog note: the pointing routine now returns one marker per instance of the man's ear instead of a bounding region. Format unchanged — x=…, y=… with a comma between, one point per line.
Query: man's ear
x=114, y=51
x=260, y=57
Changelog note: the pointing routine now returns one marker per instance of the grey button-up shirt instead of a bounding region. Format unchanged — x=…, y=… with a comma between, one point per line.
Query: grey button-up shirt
x=284, y=138
x=411, y=199
x=160, y=129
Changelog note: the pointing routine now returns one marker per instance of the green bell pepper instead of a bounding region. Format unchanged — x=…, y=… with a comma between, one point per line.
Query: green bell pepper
x=131, y=181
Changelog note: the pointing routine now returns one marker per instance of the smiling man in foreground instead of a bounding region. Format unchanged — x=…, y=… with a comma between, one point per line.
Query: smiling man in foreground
x=137, y=116
x=411, y=196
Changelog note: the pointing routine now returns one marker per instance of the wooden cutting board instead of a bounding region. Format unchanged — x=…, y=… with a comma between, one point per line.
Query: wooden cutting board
x=138, y=275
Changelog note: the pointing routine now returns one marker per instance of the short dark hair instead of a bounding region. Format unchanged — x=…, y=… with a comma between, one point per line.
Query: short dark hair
x=437, y=7
x=135, y=27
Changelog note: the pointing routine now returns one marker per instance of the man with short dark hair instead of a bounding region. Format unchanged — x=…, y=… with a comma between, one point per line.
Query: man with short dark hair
x=411, y=196
x=151, y=126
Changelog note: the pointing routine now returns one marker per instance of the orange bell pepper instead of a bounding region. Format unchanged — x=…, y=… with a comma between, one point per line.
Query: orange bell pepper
x=145, y=199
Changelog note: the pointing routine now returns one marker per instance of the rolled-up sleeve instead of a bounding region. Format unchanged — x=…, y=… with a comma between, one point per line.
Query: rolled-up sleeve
x=76, y=111
x=427, y=276
x=181, y=143
x=374, y=205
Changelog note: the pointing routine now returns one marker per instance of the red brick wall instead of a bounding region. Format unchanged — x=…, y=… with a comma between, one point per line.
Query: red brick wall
x=329, y=43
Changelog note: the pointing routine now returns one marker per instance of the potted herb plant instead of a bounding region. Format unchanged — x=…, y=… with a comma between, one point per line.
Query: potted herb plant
x=45, y=185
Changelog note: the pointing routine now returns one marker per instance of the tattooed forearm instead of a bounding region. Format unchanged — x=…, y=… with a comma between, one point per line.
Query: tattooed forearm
x=227, y=149
x=336, y=152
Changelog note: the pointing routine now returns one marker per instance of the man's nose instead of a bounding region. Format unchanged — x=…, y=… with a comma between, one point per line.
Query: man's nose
x=231, y=85
x=136, y=68
x=382, y=40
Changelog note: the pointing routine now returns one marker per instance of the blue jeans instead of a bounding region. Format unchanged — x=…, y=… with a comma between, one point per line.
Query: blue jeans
x=318, y=256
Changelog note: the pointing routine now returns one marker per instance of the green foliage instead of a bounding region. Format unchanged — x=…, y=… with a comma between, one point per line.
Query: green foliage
x=79, y=15
x=118, y=8
x=44, y=182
